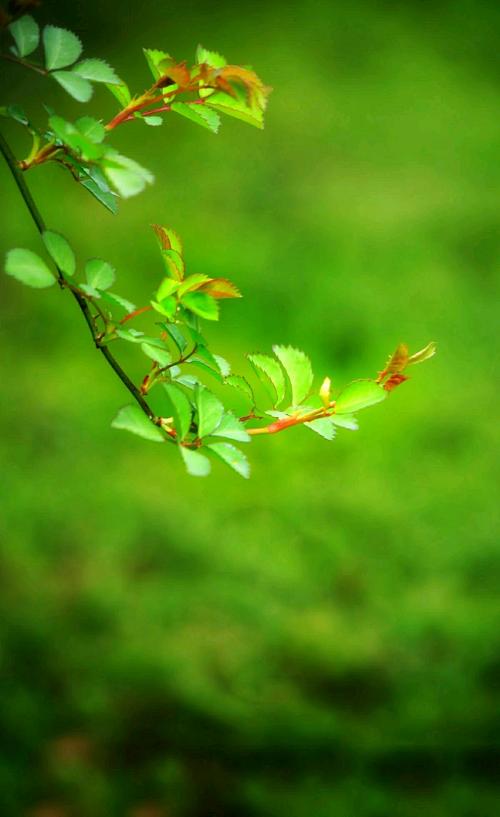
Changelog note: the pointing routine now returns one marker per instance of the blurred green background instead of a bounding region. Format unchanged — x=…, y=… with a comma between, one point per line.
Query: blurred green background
x=322, y=640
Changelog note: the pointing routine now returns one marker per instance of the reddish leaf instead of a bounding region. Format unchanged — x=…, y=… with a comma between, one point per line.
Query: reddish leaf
x=394, y=381
x=221, y=288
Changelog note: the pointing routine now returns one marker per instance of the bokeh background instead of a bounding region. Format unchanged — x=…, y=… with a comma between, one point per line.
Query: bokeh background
x=324, y=639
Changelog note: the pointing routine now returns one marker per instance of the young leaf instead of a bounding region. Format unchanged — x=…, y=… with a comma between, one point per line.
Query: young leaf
x=99, y=274
x=181, y=409
x=60, y=252
x=174, y=263
x=192, y=282
x=240, y=383
x=168, y=239
x=236, y=108
x=210, y=411
x=154, y=59
x=159, y=354
x=197, y=464
x=424, y=354
x=61, y=47
x=77, y=87
x=28, y=268
x=91, y=128
x=231, y=428
x=224, y=366
x=298, y=368
x=127, y=176
x=322, y=426
x=132, y=418
x=97, y=71
x=26, y=34
x=221, y=288
x=117, y=300
x=167, y=287
x=345, y=421
x=121, y=93
x=359, y=395
x=152, y=121
x=232, y=456
x=211, y=58
x=202, y=305
x=267, y=366
x=205, y=117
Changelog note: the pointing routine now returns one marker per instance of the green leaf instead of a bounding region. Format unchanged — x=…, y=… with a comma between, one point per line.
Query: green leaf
x=60, y=252
x=71, y=136
x=61, y=47
x=298, y=368
x=77, y=87
x=345, y=421
x=196, y=464
x=232, y=456
x=121, y=93
x=202, y=305
x=99, y=274
x=359, y=395
x=26, y=34
x=97, y=71
x=16, y=113
x=240, y=383
x=211, y=58
x=130, y=335
x=231, y=428
x=181, y=409
x=269, y=371
x=210, y=411
x=28, y=268
x=153, y=121
x=176, y=335
x=167, y=287
x=207, y=369
x=154, y=59
x=117, y=300
x=160, y=355
x=127, y=176
x=132, y=418
x=224, y=366
x=194, y=111
x=107, y=199
x=236, y=108
x=322, y=426
x=167, y=306
x=424, y=354
x=91, y=128
x=174, y=263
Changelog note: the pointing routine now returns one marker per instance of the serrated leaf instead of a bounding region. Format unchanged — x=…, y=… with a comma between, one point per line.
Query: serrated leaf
x=167, y=287
x=117, y=300
x=197, y=464
x=235, y=108
x=181, y=409
x=424, y=354
x=176, y=335
x=97, y=71
x=132, y=418
x=168, y=238
x=231, y=428
x=62, y=47
x=91, y=128
x=71, y=136
x=207, y=369
x=232, y=456
x=158, y=354
x=60, y=251
x=77, y=87
x=212, y=58
x=99, y=274
x=322, y=426
x=154, y=58
x=298, y=368
x=241, y=384
x=224, y=366
x=166, y=307
x=202, y=305
x=127, y=176
x=221, y=288
x=174, y=263
x=26, y=34
x=345, y=421
x=209, y=410
x=107, y=199
x=359, y=395
x=270, y=372
x=121, y=93
x=27, y=267
x=194, y=111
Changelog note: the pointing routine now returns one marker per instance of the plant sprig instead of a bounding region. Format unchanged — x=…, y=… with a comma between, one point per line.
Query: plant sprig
x=177, y=360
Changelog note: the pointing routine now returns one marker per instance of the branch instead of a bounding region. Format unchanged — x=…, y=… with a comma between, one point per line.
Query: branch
x=81, y=301
x=25, y=64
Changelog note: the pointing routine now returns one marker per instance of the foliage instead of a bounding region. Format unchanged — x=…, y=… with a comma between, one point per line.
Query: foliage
x=187, y=413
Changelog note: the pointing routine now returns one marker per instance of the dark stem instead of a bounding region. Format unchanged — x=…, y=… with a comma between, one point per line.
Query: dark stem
x=25, y=64
x=81, y=301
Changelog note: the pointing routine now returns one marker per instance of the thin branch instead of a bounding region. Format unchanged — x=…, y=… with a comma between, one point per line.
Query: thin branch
x=81, y=301
x=25, y=64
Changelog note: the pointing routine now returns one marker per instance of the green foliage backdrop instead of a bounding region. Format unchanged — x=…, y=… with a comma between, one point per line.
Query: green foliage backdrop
x=321, y=640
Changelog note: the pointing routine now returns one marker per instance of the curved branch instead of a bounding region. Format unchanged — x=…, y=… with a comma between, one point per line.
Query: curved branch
x=81, y=301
